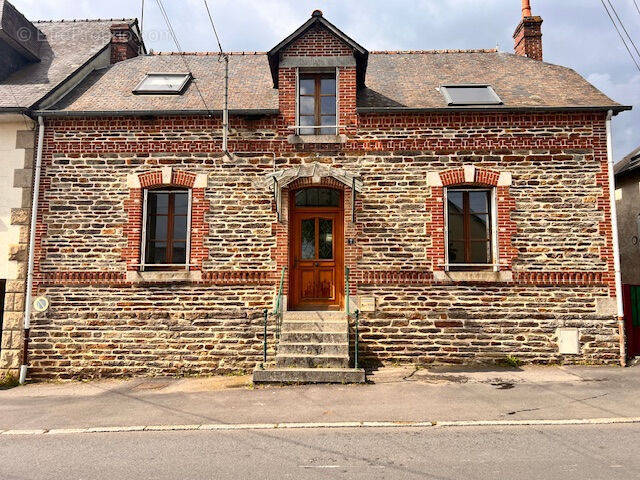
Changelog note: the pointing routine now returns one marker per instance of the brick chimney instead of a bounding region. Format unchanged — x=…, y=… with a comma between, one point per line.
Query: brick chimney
x=125, y=42
x=528, y=34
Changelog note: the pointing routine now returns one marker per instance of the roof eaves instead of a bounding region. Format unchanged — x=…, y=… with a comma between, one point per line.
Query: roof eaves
x=153, y=113
x=616, y=108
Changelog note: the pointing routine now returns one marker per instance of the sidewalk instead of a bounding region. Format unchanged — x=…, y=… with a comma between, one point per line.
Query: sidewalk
x=393, y=395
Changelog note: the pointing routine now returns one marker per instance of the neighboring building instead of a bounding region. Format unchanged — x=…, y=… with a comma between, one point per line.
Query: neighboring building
x=39, y=63
x=628, y=208
x=628, y=213
x=466, y=193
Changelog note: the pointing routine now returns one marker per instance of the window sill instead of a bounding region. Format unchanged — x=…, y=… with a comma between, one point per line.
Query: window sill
x=172, y=276
x=303, y=139
x=473, y=276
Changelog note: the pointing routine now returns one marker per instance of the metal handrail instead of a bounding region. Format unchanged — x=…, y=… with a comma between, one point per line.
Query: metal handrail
x=347, y=271
x=277, y=312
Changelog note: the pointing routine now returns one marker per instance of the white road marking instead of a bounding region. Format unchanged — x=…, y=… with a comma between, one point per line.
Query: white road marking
x=293, y=425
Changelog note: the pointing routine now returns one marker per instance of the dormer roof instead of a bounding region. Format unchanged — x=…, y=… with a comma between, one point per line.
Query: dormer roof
x=18, y=33
x=360, y=53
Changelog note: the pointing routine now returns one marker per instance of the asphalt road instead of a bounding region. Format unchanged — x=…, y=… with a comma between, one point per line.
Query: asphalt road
x=549, y=452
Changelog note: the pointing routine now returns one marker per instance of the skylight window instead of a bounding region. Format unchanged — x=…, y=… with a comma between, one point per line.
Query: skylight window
x=163, y=84
x=470, y=95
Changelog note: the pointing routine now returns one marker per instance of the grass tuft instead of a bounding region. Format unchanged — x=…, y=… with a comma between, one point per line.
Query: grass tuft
x=8, y=381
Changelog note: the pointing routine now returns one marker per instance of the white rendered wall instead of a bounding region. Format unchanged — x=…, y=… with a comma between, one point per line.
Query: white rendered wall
x=11, y=159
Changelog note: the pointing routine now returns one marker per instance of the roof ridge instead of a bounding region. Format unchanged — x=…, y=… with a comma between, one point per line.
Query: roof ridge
x=405, y=52
x=205, y=54
x=79, y=20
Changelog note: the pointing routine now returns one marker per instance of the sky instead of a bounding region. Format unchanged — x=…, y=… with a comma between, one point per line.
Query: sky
x=576, y=33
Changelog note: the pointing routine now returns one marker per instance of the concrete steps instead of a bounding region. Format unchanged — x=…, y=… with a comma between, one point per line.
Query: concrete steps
x=313, y=348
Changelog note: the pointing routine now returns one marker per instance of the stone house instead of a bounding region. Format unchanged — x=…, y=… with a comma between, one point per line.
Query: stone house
x=459, y=200
x=39, y=63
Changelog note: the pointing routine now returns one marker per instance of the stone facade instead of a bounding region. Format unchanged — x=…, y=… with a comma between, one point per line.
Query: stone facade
x=102, y=322
x=106, y=318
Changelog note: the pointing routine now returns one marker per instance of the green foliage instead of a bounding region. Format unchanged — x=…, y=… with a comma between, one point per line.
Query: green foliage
x=512, y=361
x=8, y=381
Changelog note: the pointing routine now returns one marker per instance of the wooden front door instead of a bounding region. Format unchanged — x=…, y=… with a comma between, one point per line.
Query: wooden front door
x=317, y=250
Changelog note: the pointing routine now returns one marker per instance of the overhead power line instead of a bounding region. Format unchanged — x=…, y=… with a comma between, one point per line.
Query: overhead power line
x=621, y=36
x=215, y=32
x=225, y=57
x=623, y=27
x=637, y=7
x=179, y=48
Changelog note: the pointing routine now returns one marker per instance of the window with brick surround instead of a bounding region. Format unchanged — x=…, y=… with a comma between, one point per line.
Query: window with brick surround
x=470, y=228
x=317, y=105
x=166, y=228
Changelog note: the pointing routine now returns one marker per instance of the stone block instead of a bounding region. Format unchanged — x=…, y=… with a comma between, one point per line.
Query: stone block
x=22, y=177
x=9, y=359
x=18, y=253
x=20, y=216
x=12, y=320
x=25, y=139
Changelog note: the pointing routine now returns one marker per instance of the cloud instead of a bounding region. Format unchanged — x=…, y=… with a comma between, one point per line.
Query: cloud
x=576, y=33
x=626, y=126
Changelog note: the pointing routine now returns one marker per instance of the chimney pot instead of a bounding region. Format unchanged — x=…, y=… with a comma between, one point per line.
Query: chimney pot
x=526, y=8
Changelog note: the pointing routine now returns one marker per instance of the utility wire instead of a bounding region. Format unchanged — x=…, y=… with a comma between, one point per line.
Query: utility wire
x=225, y=111
x=620, y=34
x=215, y=32
x=175, y=40
x=637, y=7
x=624, y=28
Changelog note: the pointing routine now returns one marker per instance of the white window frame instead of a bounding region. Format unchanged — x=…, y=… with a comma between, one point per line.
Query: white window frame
x=138, y=90
x=297, y=127
x=143, y=246
x=452, y=103
x=495, y=254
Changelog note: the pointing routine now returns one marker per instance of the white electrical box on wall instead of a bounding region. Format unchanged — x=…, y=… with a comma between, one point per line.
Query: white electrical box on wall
x=568, y=341
x=367, y=304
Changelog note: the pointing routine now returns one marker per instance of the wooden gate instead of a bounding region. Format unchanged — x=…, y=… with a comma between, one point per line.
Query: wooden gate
x=631, y=298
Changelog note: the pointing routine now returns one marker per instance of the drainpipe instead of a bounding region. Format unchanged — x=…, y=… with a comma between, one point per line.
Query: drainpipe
x=616, y=244
x=32, y=244
x=225, y=112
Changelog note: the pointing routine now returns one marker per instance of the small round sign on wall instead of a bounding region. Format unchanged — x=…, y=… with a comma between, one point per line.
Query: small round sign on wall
x=41, y=304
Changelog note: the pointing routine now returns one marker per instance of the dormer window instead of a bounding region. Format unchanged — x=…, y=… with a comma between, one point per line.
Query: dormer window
x=163, y=84
x=461, y=95
x=317, y=103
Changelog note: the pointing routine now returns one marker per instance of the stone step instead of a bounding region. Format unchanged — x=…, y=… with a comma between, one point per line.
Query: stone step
x=338, y=349
x=309, y=375
x=305, y=326
x=323, y=316
x=311, y=361
x=314, y=337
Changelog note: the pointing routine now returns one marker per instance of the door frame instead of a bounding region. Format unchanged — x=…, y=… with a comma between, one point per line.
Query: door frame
x=293, y=302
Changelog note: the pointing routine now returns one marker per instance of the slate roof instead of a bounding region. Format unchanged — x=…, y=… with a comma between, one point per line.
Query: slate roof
x=394, y=81
x=410, y=80
x=110, y=89
x=629, y=164
x=68, y=46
